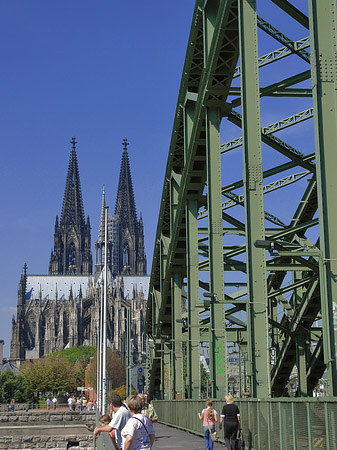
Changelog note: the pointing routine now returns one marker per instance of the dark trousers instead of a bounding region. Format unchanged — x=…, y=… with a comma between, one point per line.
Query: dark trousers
x=231, y=430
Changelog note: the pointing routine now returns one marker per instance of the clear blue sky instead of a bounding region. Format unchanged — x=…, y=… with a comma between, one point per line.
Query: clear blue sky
x=97, y=70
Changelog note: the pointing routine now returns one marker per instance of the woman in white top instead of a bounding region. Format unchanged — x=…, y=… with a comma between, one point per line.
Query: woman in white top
x=138, y=433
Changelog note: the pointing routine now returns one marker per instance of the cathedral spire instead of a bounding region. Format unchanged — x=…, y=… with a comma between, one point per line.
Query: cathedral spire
x=125, y=204
x=72, y=209
x=72, y=235
x=130, y=255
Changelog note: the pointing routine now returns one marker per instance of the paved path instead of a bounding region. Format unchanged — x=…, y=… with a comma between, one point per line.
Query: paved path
x=169, y=438
x=174, y=439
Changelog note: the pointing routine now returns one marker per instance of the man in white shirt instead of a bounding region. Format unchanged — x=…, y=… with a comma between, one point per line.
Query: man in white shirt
x=118, y=422
x=70, y=403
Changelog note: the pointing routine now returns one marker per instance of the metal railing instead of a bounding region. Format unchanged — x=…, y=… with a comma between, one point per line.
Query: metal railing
x=267, y=424
x=4, y=407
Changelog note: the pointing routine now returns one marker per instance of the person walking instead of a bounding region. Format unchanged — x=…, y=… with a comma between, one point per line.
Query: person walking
x=12, y=405
x=48, y=403
x=118, y=422
x=138, y=433
x=208, y=416
x=230, y=416
x=70, y=403
x=148, y=408
x=54, y=402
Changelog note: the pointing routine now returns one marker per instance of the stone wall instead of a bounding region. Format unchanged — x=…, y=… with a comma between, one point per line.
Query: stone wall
x=47, y=430
x=48, y=416
x=42, y=442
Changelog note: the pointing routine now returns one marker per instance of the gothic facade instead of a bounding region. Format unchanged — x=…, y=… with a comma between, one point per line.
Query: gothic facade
x=62, y=309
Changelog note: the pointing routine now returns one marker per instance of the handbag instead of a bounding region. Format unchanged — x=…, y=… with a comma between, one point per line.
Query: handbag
x=240, y=443
x=214, y=435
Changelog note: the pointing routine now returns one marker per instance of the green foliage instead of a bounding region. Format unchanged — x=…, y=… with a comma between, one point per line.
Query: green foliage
x=75, y=353
x=204, y=382
x=79, y=356
x=14, y=386
x=50, y=374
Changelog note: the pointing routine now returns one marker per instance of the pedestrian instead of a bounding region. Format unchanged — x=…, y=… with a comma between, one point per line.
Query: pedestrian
x=208, y=416
x=84, y=403
x=230, y=416
x=148, y=408
x=105, y=420
x=70, y=403
x=48, y=403
x=54, y=402
x=12, y=405
x=138, y=433
x=122, y=415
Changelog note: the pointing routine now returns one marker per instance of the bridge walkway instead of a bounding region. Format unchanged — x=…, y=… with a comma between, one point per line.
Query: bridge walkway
x=169, y=438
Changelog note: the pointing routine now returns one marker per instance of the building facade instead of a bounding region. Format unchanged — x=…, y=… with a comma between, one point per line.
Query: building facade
x=62, y=309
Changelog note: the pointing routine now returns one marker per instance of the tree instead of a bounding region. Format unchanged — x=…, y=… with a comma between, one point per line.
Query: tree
x=115, y=370
x=50, y=374
x=79, y=356
x=14, y=386
x=204, y=381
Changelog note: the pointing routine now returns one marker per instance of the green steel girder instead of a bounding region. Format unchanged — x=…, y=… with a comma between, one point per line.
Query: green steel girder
x=293, y=12
x=277, y=55
x=274, y=127
x=280, y=37
x=204, y=245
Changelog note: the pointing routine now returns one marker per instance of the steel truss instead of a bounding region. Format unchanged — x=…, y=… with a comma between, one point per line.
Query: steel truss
x=213, y=281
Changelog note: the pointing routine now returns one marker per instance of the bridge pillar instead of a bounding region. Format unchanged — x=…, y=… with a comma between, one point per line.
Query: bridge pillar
x=193, y=343
x=177, y=353
x=257, y=307
x=218, y=347
x=324, y=82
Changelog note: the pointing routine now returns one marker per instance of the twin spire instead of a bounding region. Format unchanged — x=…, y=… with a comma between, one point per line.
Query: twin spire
x=72, y=236
x=72, y=209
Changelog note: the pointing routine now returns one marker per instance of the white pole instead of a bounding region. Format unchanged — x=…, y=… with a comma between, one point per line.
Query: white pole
x=97, y=365
x=104, y=377
x=100, y=351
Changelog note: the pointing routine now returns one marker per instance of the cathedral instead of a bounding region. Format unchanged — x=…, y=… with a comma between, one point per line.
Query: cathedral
x=62, y=309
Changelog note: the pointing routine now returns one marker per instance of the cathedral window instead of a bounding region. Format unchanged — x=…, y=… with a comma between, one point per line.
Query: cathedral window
x=125, y=256
x=72, y=255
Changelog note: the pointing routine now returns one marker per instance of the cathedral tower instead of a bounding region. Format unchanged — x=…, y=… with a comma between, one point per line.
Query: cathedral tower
x=72, y=239
x=126, y=253
x=132, y=259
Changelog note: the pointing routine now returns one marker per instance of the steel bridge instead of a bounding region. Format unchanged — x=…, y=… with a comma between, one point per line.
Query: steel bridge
x=245, y=257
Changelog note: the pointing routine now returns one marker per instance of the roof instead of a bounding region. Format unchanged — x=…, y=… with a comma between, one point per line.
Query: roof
x=139, y=283
x=48, y=285
x=9, y=366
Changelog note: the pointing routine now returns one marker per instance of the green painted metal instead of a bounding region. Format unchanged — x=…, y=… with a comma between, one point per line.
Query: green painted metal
x=268, y=424
x=324, y=79
x=214, y=207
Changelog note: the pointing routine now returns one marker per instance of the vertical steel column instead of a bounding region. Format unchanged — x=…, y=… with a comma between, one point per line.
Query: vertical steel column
x=177, y=335
x=257, y=318
x=193, y=344
x=218, y=350
x=176, y=287
x=192, y=269
x=301, y=361
x=166, y=356
x=324, y=83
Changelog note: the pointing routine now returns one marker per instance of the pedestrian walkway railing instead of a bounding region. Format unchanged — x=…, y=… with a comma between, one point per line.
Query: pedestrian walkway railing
x=33, y=406
x=267, y=424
